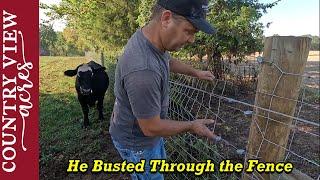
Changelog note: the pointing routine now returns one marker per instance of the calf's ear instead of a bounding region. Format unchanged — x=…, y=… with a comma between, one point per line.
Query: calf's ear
x=70, y=73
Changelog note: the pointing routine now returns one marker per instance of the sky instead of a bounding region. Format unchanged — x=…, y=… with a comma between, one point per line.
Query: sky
x=292, y=17
x=289, y=17
x=57, y=25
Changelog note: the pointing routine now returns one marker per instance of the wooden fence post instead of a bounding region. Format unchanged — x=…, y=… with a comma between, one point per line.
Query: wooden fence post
x=269, y=132
x=102, y=58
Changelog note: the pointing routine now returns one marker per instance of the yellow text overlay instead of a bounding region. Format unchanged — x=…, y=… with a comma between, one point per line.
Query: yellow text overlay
x=162, y=166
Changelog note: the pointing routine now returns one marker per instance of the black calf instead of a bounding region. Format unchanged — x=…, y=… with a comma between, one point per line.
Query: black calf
x=91, y=84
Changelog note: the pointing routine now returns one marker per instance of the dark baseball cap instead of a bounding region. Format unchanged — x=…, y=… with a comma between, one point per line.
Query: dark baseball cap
x=193, y=10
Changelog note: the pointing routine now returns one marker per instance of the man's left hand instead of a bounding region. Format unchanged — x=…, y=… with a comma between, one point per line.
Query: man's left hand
x=205, y=75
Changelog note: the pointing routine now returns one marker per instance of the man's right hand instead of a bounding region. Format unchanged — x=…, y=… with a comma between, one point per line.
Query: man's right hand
x=199, y=127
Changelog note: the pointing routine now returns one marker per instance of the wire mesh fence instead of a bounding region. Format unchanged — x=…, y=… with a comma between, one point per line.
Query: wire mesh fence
x=233, y=111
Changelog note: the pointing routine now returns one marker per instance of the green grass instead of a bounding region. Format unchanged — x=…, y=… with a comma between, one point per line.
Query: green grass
x=61, y=135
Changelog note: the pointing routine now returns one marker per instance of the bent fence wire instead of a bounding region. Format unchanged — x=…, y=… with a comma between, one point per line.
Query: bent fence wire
x=232, y=111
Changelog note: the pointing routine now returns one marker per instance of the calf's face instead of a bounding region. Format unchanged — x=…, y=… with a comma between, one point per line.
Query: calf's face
x=84, y=77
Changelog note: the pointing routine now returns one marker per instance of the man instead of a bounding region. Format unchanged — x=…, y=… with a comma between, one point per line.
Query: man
x=141, y=89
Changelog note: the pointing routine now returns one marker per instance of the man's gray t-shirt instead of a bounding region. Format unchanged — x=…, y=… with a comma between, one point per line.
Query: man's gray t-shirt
x=141, y=90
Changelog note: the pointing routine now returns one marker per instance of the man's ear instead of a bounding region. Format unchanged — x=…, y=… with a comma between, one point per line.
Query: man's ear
x=166, y=18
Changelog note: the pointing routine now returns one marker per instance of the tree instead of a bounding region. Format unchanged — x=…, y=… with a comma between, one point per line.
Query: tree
x=107, y=25
x=47, y=39
x=315, y=45
x=238, y=31
x=100, y=25
x=58, y=43
x=60, y=46
x=145, y=8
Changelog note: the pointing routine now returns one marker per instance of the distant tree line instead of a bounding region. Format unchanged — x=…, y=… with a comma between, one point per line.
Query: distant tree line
x=315, y=43
x=58, y=43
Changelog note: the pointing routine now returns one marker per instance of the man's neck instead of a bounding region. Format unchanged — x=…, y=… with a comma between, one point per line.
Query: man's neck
x=151, y=32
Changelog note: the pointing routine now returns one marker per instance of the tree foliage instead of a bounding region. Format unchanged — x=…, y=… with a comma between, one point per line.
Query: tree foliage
x=315, y=42
x=58, y=43
x=47, y=38
x=238, y=30
x=100, y=25
x=107, y=25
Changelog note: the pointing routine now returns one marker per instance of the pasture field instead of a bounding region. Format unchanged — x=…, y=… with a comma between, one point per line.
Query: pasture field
x=313, y=56
x=61, y=135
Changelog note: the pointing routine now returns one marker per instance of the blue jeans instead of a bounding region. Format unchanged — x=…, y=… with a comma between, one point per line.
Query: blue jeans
x=157, y=152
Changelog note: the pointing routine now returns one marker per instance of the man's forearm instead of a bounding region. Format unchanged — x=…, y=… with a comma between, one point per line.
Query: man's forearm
x=168, y=127
x=177, y=66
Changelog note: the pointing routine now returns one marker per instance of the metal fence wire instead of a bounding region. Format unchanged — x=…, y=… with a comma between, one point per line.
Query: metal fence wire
x=232, y=111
